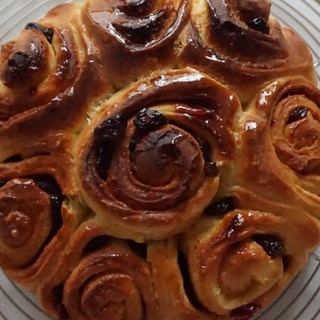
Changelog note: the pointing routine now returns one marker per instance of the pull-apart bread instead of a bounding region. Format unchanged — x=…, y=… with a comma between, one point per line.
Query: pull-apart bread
x=159, y=160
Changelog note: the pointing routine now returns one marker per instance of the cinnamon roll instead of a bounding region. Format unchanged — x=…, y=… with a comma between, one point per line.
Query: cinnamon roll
x=158, y=159
x=232, y=262
x=46, y=72
x=278, y=153
x=99, y=277
x=150, y=163
x=243, y=45
x=135, y=37
x=37, y=211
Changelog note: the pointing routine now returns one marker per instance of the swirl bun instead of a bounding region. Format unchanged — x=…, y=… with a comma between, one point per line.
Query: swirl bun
x=142, y=133
x=243, y=45
x=158, y=159
x=284, y=115
x=135, y=37
x=48, y=67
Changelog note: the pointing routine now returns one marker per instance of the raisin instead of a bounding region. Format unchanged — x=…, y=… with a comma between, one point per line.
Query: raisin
x=244, y=312
x=211, y=169
x=56, y=203
x=2, y=183
x=142, y=30
x=110, y=129
x=14, y=158
x=47, y=183
x=19, y=63
x=149, y=120
x=139, y=249
x=48, y=32
x=297, y=114
x=271, y=244
x=95, y=244
x=205, y=148
x=136, y=8
x=259, y=24
x=221, y=207
x=229, y=27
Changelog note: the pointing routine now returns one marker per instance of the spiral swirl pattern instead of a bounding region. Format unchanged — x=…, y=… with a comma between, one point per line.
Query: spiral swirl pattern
x=157, y=153
x=23, y=204
x=111, y=283
x=243, y=44
x=45, y=68
x=145, y=149
x=295, y=126
x=201, y=270
x=288, y=128
x=33, y=213
x=257, y=244
x=138, y=25
x=135, y=37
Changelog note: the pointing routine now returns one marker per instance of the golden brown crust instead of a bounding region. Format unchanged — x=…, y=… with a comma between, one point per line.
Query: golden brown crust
x=158, y=159
x=135, y=38
x=157, y=130
x=37, y=208
x=278, y=153
x=46, y=75
x=242, y=45
x=264, y=248
x=97, y=265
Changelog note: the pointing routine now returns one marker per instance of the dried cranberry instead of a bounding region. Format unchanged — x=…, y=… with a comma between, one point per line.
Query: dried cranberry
x=297, y=114
x=259, y=24
x=48, y=32
x=271, y=244
x=244, y=312
x=221, y=207
x=149, y=120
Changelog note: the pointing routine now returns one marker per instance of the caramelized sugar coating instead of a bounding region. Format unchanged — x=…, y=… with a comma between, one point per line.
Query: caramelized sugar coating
x=159, y=159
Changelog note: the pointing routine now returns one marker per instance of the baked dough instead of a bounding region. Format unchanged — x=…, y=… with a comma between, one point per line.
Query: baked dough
x=159, y=160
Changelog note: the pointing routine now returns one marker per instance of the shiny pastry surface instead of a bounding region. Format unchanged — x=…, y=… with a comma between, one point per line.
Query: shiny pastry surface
x=159, y=160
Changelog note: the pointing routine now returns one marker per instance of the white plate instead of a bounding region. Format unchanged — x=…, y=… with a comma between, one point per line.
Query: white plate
x=301, y=300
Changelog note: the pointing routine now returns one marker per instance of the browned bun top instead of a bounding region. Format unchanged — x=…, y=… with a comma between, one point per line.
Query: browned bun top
x=159, y=159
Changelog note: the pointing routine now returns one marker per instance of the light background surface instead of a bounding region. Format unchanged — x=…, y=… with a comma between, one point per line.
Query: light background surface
x=301, y=300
